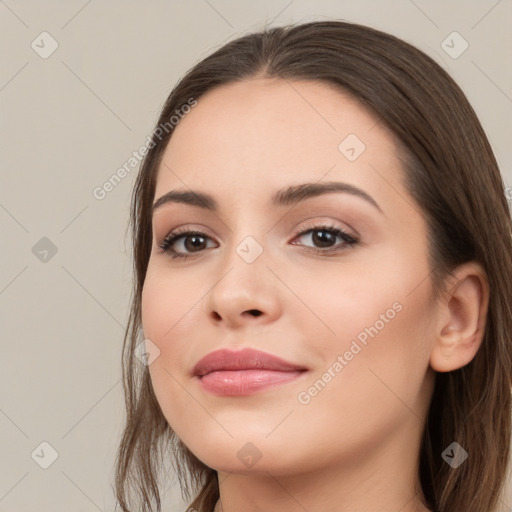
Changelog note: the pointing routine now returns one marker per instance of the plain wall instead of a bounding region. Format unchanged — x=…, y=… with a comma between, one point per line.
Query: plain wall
x=68, y=122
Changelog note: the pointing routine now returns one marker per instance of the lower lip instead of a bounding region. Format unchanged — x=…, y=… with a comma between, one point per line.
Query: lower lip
x=245, y=382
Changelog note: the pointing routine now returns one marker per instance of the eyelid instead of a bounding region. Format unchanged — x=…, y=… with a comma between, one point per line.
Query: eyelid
x=186, y=228
x=309, y=225
x=330, y=224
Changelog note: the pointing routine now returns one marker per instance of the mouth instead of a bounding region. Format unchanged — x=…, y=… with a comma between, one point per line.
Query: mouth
x=239, y=373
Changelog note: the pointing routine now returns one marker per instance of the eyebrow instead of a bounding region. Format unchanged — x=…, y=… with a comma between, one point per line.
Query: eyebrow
x=284, y=197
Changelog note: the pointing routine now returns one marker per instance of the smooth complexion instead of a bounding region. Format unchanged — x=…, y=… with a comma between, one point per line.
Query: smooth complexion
x=355, y=446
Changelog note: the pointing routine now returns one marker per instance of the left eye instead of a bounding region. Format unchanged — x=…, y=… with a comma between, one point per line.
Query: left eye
x=325, y=237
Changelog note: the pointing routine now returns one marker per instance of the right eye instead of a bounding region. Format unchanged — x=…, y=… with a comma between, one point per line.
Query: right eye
x=193, y=241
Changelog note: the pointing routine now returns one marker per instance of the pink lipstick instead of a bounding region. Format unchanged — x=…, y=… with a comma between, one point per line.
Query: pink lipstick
x=243, y=372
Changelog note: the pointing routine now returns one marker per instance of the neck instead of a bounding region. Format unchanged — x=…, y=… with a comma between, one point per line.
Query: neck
x=272, y=494
x=383, y=479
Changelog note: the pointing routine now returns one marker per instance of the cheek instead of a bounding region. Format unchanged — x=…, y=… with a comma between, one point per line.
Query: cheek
x=379, y=321
x=173, y=316
x=376, y=362
x=168, y=303
x=363, y=299
x=167, y=313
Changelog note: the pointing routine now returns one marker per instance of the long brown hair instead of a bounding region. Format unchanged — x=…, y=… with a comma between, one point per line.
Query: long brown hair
x=452, y=174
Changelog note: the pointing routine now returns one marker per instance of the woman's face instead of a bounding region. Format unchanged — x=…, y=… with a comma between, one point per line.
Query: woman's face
x=335, y=282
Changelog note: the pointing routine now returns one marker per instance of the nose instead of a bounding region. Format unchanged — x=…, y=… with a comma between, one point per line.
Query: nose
x=244, y=293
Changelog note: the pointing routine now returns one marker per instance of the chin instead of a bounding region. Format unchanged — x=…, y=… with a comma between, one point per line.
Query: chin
x=246, y=453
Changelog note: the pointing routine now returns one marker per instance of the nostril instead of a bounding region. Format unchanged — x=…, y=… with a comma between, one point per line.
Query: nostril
x=254, y=312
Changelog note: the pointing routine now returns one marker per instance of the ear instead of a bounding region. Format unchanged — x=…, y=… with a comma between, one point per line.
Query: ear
x=461, y=320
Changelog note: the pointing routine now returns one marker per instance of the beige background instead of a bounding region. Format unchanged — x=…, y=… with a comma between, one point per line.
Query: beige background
x=68, y=122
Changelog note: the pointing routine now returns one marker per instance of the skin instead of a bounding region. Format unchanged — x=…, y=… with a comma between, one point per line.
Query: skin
x=354, y=446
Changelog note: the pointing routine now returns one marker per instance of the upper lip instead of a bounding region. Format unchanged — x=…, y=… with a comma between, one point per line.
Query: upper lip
x=245, y=359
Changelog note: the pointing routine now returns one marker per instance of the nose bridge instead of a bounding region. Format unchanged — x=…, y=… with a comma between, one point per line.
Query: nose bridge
x=243, y=289
x=247, y=249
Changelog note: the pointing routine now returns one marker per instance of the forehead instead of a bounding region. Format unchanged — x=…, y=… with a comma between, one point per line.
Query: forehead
x=265, y=133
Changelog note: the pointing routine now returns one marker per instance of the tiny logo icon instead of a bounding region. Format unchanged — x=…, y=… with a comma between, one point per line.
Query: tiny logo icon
x=351, y=147
x=44, y=45
x=248, y=249
x=146, y=352
x=44, y=250
x=454, y=455
x=454, y=45
x=249, y=455
x=45, y=455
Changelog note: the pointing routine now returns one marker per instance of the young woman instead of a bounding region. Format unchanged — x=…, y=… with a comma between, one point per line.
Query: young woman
x=322, y=253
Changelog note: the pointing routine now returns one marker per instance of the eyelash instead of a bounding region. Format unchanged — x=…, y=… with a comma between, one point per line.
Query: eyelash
x=169, y=240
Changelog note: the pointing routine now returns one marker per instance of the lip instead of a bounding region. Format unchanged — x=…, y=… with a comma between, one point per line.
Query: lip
x=243, y=372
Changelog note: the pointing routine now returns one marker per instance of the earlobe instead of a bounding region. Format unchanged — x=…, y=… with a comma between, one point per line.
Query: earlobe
x=462, y=315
